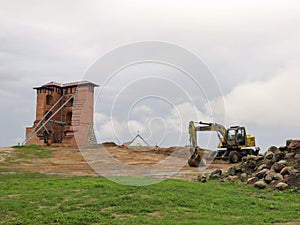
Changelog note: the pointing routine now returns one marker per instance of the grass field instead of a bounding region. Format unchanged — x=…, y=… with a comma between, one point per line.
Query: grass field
x=23, y=154
x=33, y=198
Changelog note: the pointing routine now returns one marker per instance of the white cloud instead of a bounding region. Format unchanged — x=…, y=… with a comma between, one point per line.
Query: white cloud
x=266, y=103
x=170, y=129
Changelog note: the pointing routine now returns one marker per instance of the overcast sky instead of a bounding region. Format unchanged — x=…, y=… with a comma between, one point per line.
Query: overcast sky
x=251, y=47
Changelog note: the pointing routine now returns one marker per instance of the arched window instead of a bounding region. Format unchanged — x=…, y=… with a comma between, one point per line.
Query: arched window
x=49, y=100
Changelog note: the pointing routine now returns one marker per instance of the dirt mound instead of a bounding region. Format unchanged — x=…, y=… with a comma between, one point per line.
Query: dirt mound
x=69, y=161
x=278, y=168
x=109, y=144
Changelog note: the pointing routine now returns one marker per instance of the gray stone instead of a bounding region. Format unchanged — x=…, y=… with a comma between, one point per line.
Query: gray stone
x=251, y=164
x=243, y=177
x=278, y=156
x=277, y=176
x=285, y=171
x=277, y=167
x=231, y=178
x=283, y=162
x=286, y=177
x=289, y=155
x=294, y=145
x=202, y=178
x=234, y=178
x=252, y=180
x=260, y=184
x=238, y=169
x=259, y=158
x=268, y=178
x=244, y=159
x=251, y=157
x=269, y=155
x=272, y=149
x=232, y=171
x=288, y=142
x=261, y=173
x=216, y=174
x=261, y=167
x=269, y=164
x=294, y=171
x=297, y=156
x=281, y=186
x=282, y=148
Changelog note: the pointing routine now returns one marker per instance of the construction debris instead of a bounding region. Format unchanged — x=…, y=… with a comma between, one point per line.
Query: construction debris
x=278, y=168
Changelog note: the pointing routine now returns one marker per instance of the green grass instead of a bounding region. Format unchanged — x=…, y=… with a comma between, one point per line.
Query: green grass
x=27, y=153
x=33, y=198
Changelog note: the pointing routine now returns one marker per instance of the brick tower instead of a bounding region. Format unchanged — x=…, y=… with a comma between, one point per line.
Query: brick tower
x=64, y=114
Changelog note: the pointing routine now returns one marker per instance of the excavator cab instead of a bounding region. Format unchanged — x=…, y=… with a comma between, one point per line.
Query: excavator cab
x=236, y=136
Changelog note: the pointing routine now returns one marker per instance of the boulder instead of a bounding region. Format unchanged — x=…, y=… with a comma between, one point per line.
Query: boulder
x=278, y=156
x=277, y=176
x=282, y=148
x=251, y=164
x=268, y=178
x=252, y=180
x=269, y=155
x=294, y=171
x=261, y=167
x=243, y=177
x=260, y=184
x=288, y=142
x=269, y=164
x=277, y=167
x=261, y=173
x=281, y=186
x=215, y=177
x=289, y=155
x=294, y=145
x=283, y=162
x=216, y=174
x=286, y=177
x=297, y=156
x=285, y=171
x=231, y=178
x=272, y=149
x=259, y=158
x=249, y=157
x=202, y=178
x=232, y=171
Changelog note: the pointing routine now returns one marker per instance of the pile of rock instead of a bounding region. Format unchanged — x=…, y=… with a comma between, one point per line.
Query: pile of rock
x=278, y=168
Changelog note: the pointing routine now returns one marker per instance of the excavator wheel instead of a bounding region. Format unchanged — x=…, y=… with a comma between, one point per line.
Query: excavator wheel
x=234, y=157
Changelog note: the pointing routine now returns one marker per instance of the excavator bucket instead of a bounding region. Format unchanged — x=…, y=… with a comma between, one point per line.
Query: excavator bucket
x=195, y=159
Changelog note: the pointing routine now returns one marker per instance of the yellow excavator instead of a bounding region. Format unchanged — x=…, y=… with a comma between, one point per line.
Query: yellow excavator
x=234, y=144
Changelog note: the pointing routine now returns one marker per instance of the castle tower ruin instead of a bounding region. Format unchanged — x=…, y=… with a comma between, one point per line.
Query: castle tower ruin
x=64, y=115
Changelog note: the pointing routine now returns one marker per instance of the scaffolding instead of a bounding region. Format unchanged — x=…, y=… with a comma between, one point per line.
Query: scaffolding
x=42, y=125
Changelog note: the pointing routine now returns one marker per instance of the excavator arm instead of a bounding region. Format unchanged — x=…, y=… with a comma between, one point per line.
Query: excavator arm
x=220, y=129
x=195, y=159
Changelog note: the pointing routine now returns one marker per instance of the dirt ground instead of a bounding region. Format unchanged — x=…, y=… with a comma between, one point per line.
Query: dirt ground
x=111, y=160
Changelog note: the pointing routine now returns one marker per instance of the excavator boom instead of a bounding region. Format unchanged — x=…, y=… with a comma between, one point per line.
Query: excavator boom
x=220, y=129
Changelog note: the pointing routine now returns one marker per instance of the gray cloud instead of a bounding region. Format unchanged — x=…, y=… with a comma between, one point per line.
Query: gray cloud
x=251, y=46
